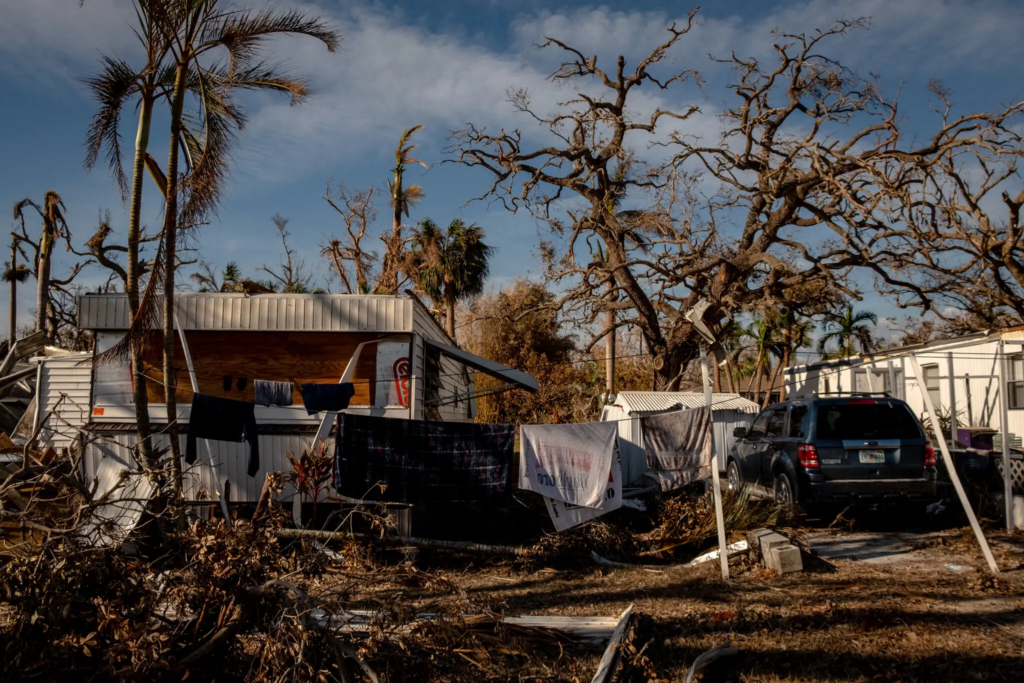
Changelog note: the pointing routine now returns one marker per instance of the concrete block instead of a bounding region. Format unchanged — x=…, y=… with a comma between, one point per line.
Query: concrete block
x=772, y=540
x=754, y=542
x=784, y=559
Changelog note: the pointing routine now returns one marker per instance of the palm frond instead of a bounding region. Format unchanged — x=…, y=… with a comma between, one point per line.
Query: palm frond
x=241, y=33
x=112, y=87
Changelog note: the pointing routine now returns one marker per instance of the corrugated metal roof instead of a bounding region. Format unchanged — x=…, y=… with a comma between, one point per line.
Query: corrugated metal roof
x=657, y=401
x=277, y=312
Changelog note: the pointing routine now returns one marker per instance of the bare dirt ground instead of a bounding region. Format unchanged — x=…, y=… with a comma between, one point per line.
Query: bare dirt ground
x=884, y=606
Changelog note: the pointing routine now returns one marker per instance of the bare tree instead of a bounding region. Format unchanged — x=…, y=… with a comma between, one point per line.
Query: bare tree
x=291, y=275
x=353, y=263
x=961, y=230
x=805, y=182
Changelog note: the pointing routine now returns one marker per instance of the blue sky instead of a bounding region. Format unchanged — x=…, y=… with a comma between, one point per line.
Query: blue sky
x=440, y=64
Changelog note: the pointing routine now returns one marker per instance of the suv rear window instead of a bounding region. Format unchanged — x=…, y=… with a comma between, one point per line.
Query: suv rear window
x=866, y=421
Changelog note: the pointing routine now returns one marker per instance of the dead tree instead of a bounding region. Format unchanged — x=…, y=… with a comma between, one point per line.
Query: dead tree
x=962, y=245
x=801, y=188
x=292, y=275
x=353, y=263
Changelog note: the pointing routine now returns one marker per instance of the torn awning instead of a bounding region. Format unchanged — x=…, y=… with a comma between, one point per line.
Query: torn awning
x=488, y=367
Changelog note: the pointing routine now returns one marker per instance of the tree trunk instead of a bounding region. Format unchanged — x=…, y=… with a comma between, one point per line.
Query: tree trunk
x=449, y=316
x=609, y=347
x=729, y=376
x=768, y=394
x=170, y=249
x=42, y=286
x=132, y=286
x=785, y=365
x=14, y=293
x=758, y=366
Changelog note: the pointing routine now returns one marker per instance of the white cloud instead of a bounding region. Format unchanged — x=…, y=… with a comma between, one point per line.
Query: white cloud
x=52, y=42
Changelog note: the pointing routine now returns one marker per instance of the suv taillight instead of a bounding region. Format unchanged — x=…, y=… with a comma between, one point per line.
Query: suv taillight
x=808, y=455
x=929, y=455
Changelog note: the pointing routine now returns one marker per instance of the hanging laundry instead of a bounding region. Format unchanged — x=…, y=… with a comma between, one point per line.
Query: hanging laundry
x=273, y=393
x=565, y=516
x=678, y=447
x=327, y=397
x=569, y=463
x=421, y=462
x=222, y=419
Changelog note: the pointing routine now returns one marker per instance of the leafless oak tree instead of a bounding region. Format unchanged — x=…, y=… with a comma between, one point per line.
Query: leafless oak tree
x=804, y=185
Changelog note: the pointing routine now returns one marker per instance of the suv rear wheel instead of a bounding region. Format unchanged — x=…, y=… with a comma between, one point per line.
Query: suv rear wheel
x=785, y=497
x=733, y=476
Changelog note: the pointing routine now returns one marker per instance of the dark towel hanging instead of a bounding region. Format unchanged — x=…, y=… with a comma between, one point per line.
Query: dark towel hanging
x=327, y=397
x=273, y=393
x=242, y=381
x=227, y=382
x=222, y=419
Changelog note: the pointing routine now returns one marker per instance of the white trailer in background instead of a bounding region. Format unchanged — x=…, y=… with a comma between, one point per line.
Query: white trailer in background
x=630, y=407
x=975, y=381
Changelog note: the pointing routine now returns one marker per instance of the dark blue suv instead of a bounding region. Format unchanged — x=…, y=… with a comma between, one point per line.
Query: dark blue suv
x=835, y=450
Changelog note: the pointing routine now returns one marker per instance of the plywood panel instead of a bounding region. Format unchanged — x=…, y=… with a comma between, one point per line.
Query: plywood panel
x=279, y=356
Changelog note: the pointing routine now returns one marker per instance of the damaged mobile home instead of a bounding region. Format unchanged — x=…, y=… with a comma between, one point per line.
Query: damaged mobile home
x=399, y=361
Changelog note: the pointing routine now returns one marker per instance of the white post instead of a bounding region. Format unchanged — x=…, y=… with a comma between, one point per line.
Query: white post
x=948, y=461
x=953, y=424
x=716, y=479
x=1004, y=427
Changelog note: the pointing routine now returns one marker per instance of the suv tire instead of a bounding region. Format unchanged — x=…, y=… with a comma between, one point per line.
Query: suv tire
x=732, y=474
x=785, y=496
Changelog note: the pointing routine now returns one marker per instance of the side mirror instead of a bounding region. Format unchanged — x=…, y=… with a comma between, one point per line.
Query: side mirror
x=739, y=432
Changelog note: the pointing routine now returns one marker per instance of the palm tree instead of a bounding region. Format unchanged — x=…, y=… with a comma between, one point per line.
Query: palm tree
x=199, y=28
x=115, y=87
x=15, y=273
x=401, y=198
x=765, y=341
x=845, y=328
x=54, y=226
x=795, y=335
x=449, y=266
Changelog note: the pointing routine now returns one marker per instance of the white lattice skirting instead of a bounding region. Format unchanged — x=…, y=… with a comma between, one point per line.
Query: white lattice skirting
x=1016, y=474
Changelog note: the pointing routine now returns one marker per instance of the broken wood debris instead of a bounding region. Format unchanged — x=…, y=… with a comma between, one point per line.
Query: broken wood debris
x=311, y=534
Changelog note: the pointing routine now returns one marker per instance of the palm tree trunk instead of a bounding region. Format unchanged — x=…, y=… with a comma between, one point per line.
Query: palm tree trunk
x=132, y=286
x=170, y=247
x=729, y=375
x=449, y=316
x=785, y=365
x=768, y=393
x=14, y=292
x=42, y=285
x=758, y=366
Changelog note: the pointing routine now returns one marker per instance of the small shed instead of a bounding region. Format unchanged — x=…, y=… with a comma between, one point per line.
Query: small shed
x=630, y=407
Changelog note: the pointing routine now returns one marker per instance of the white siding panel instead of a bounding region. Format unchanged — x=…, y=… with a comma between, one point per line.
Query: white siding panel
x=64, y=376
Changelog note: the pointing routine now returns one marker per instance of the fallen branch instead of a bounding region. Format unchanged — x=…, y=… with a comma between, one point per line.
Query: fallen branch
x=428, y=543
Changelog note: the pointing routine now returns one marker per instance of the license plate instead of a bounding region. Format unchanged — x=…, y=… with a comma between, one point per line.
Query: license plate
x=872, y=456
